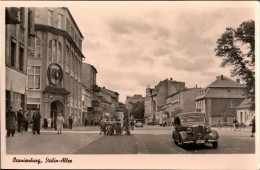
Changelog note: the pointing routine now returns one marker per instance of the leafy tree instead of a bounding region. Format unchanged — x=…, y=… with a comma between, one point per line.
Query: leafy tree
x=138, y=110
x=237, y=48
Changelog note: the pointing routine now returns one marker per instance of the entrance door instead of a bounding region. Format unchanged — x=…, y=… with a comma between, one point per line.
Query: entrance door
x=241, y=117
x=56, y=107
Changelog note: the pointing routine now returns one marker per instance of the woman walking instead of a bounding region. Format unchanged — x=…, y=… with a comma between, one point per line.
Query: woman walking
x=59, y=122
x=10, y=122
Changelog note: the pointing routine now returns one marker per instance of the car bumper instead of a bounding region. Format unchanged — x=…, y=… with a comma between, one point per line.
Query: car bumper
x=200, y=141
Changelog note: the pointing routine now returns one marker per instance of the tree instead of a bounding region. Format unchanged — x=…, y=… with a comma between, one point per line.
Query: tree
x=138, y=110
x=237, y=48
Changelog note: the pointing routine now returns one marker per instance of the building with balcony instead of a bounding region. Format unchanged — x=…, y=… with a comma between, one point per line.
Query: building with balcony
x=54, y=63
x=219, y=99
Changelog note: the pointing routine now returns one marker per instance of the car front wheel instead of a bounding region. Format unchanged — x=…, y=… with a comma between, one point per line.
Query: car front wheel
x=215, y=145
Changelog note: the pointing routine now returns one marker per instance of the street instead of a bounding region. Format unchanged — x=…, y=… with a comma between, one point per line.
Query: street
x=146, y=140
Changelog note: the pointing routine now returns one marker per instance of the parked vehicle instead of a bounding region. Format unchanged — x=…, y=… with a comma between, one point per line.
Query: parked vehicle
x=139, y=123
x=192, y=128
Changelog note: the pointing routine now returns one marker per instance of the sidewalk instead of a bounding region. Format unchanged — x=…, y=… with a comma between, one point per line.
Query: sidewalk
x=74, y=128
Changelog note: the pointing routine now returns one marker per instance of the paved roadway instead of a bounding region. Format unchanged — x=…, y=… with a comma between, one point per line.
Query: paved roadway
x=147, y=140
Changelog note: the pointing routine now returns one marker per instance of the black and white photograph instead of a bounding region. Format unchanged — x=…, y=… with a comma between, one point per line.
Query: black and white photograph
x=138, y=84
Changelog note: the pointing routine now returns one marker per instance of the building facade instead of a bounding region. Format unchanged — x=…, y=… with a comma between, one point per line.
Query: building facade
x=181, y=101
x=220, y=99
x=244, y=112
x=155, y=98
x=54, y=63
x=16, y=51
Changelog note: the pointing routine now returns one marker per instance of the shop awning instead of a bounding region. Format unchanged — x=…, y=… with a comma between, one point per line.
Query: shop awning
x=55, y=89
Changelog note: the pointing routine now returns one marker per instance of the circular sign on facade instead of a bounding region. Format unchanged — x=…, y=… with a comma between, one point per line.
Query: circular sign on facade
x=55, y=74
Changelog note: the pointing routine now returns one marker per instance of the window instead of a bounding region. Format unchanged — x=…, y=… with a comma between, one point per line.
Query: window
x=232, y=104
x=50, y=51
x=33, y=77
x=54, y=51
x=37, y=48
x=67, y=59
x=21, y=54
x=60, y=17
x=13, y=53
x=22, y=11
x=50, y=17
x=60, y=54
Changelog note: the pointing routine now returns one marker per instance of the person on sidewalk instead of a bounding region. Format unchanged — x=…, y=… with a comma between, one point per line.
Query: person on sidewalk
x=59, y=122
x=253, y=127
x=36, y=122
x=70, y=122
x=19, y=119
x=45, y=123
x=10, y=122
x=49, y=122
x=26, y=121
x=235, y=122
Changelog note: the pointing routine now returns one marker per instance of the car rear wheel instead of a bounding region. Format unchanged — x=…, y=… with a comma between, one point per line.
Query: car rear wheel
x=215, y=145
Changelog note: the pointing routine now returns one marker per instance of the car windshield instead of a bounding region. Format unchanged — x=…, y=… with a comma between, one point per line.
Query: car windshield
x=193, y=119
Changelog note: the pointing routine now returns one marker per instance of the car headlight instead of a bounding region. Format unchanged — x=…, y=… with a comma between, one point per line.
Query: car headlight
x=189, y=130
x=208, y=129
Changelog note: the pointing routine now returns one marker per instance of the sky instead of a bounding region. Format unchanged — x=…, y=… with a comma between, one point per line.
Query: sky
x=135, y=44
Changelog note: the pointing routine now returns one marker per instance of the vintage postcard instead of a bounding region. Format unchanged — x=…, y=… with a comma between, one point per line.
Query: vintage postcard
x=129, y=85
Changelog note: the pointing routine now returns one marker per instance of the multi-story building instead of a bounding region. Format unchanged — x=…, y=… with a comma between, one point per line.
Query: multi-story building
x=220, y=99
x=181, y=101
x=89, y=88
x=155, y=99
x=54, y=63
x=245, y=114
x=109, y=96
x=134, y=99
x=16, y=29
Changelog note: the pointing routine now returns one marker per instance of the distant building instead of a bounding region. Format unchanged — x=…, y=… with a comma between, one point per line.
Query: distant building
x=181, y=101
x=134, y=99
x=220, y=99
x=244, y=112
x=155, y=98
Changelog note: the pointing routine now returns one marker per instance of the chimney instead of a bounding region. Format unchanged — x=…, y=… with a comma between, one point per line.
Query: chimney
x=171, y=79
x=238, y=81
x=222, y=78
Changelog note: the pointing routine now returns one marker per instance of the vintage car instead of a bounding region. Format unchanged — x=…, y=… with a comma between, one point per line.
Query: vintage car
x=192, y=128
x=139, y=123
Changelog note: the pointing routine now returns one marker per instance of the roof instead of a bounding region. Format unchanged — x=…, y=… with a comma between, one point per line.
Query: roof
x=187, y=89
x=245, y=104
x=220, y=93
x=190, y=113
x=56, y=89
x=73, y=21
x=225, y=82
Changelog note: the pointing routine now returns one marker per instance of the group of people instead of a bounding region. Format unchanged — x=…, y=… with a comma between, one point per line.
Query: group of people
x=236, y=125
x=22, y=121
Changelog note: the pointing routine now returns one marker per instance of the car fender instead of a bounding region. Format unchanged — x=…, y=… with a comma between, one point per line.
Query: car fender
x=213, y=135
x=185, y=136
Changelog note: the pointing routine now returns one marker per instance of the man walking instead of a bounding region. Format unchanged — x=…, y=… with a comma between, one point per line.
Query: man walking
x=70, y=122
x=36, y=122
x=20, y=119
x=10, y=122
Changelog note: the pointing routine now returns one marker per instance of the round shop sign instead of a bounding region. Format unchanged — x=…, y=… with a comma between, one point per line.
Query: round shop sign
x=55, y=74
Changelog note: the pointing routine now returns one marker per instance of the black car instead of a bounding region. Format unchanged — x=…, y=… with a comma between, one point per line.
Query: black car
x=192, y=128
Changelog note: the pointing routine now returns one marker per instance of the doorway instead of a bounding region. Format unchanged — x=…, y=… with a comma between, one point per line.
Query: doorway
x=56, y=107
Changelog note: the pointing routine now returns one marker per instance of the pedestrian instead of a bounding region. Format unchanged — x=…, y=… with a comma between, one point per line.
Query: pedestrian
x=235, y=122
x=36, y=121
x=59, y=122
x=10, y=122
x=45, y=123
x=253, y=127
x=70, y=122
x=218, y=124
x=49, y=122
x=26, y=121
x=86, y=121
x=19, y=119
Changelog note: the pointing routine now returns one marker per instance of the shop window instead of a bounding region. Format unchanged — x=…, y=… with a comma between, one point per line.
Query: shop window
x=50, y=17
x=21, y=58
x=13, y=53
x=37, y=47
x=33, y=77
